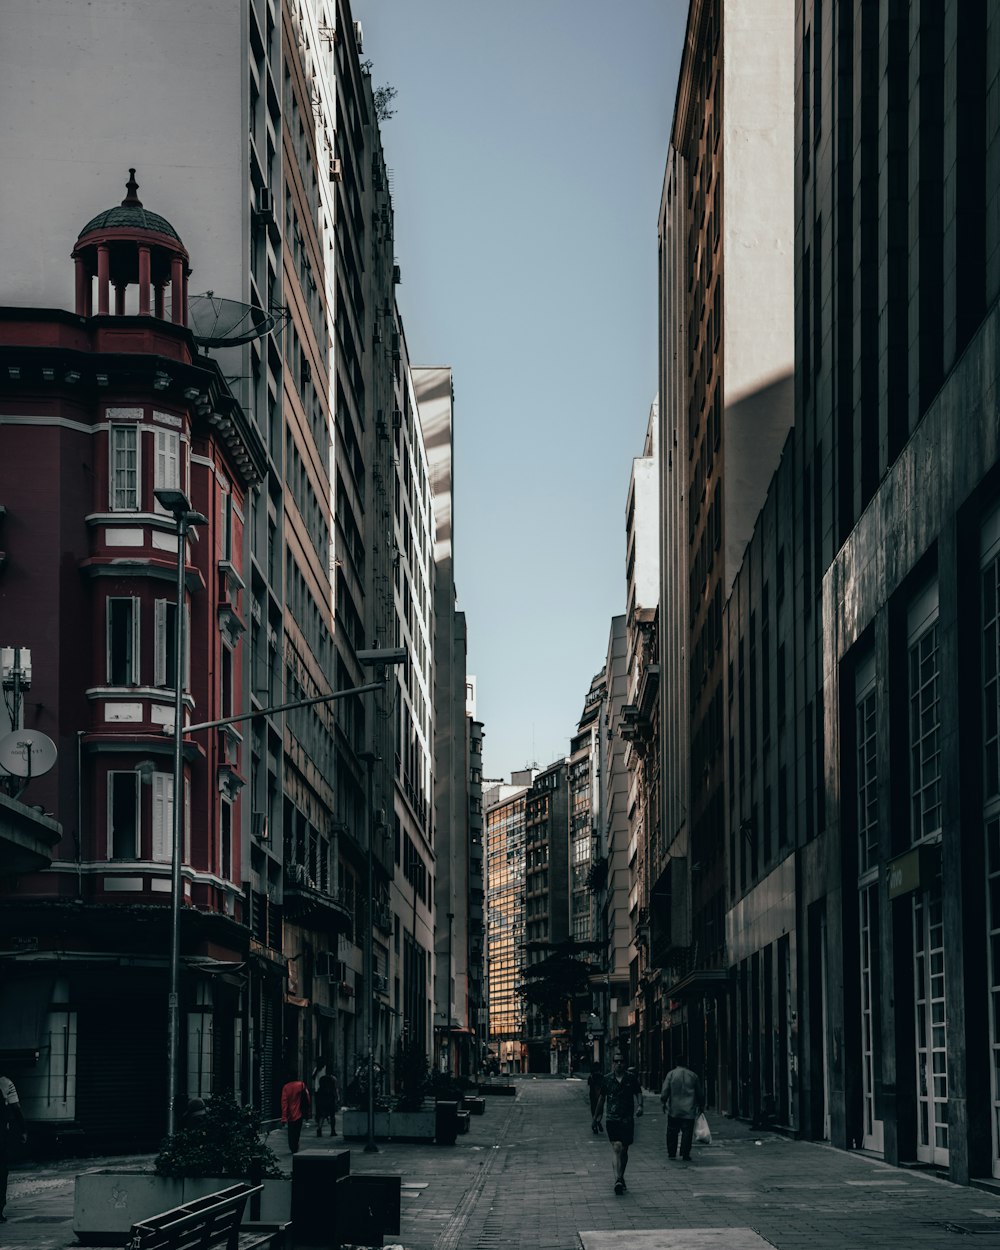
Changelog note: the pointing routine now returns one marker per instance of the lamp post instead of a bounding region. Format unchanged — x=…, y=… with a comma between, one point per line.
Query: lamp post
x=176, y=503
x=369, y=758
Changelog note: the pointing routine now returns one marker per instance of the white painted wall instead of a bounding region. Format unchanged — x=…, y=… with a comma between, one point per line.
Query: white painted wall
x=88, y=89
x=758, y=146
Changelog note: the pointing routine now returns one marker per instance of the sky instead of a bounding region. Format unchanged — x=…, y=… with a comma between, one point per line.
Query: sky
x=527, y=153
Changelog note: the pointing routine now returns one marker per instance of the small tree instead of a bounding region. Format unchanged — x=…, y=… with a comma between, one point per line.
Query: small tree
x=226, y=1142
x=383, y=96
x=556, y=983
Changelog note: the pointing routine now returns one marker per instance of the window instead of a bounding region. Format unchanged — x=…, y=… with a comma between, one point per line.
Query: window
x=867, y=765
x=925, y=716
x=166, y=465
x=124, y=473
x=226, y=681
x=165, y=641
x=226, y=841
x=123, y=642
x=123, y=815
x=226, y=526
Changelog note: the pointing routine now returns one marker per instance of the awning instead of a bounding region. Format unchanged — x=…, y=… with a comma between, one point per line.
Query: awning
x=24, y=1010
x=327, y=1013
x=701, y=981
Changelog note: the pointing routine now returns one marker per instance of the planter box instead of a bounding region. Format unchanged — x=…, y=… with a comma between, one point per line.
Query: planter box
x=390, y=1125
x=107, y=1204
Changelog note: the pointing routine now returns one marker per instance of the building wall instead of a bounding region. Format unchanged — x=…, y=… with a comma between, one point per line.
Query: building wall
x=191, y=94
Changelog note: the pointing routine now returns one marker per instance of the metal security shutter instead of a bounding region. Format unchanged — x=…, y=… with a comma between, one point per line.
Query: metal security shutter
x=122, y=1061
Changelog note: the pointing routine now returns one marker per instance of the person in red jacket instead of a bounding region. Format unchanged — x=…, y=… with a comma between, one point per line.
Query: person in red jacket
x=296, y=1106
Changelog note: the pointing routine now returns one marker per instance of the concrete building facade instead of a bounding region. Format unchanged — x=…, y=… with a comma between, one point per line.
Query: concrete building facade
x=726, y=386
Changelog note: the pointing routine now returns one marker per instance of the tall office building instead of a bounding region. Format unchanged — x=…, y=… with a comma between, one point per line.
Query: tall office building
x=546, y=907
x=726, y=405
x=260, y=144
x=505, y=807
x=640, y=729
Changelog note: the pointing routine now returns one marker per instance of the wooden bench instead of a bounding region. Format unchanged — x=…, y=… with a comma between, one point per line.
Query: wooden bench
x=206, y=1223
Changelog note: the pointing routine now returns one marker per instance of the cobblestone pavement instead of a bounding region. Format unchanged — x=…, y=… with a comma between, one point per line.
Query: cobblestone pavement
x=531, y=1174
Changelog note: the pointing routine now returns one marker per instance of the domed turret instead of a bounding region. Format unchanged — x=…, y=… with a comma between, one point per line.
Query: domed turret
x=126, y=246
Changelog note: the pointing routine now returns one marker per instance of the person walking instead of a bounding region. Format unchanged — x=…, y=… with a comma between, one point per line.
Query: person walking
x=295, y=1108
x=682, y=1098
x=12, y=1135
x=621, y=1095
x=594, y=1082
x=327, y=1103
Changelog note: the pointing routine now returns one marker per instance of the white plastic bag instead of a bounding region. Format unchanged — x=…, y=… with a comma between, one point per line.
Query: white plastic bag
x=702, y=1133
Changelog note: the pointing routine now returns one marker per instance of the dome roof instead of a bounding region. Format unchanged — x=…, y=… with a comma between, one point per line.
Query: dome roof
x=130, y=215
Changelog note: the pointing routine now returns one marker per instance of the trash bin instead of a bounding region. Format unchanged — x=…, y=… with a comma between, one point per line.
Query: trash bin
x=445, y=1123
x=314, y=1178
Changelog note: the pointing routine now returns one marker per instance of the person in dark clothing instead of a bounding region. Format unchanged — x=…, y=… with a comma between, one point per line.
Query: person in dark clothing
x=12, y=1135
x=682, y=1097
x=195, y=1113
x=327, y=1103
x=623, y=1098
x=594, y=1082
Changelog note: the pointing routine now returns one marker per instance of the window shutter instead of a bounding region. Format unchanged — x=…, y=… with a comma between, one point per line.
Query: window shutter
x=160, y=632
x=187, y=646
x=167, y=467
x=163, y=817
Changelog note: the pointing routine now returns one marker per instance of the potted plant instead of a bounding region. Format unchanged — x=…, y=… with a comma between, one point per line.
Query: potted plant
x=226, y=1143
x=409, y=1117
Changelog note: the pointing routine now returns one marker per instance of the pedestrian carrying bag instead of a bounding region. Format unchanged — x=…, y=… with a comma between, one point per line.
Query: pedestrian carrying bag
x=702, y=1133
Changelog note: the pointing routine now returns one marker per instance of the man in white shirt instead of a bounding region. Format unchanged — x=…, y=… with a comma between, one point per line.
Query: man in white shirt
x=12, y=1134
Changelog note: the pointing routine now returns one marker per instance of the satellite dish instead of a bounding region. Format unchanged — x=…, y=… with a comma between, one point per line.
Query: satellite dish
x=27, y=753
x=218, y=322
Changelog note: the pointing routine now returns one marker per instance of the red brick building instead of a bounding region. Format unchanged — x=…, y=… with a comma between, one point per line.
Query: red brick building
x=99, y=408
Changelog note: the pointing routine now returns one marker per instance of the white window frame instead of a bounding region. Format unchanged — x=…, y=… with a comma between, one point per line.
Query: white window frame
x=922, y=620
x=133, y=662
x=125, y=497
x=112, y=785
x=163, y=678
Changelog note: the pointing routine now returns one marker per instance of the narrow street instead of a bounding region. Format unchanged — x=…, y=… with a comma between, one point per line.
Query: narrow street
x=531, y=1174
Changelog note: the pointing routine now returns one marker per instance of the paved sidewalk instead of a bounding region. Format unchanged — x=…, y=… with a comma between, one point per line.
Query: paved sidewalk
x=531, y=1174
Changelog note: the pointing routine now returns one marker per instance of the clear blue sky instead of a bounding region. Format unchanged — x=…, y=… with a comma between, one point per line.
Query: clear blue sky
x=528, y=150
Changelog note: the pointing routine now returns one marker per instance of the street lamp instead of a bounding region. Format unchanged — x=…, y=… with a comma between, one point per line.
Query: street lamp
x=451, y=917
x=176, y=503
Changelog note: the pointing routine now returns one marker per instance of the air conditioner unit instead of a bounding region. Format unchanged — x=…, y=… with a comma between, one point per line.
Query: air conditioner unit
x=397, y=419
x=265, y=203
x=397, y=276
x=359, y=37
x=336, y=169
x=258, y=825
